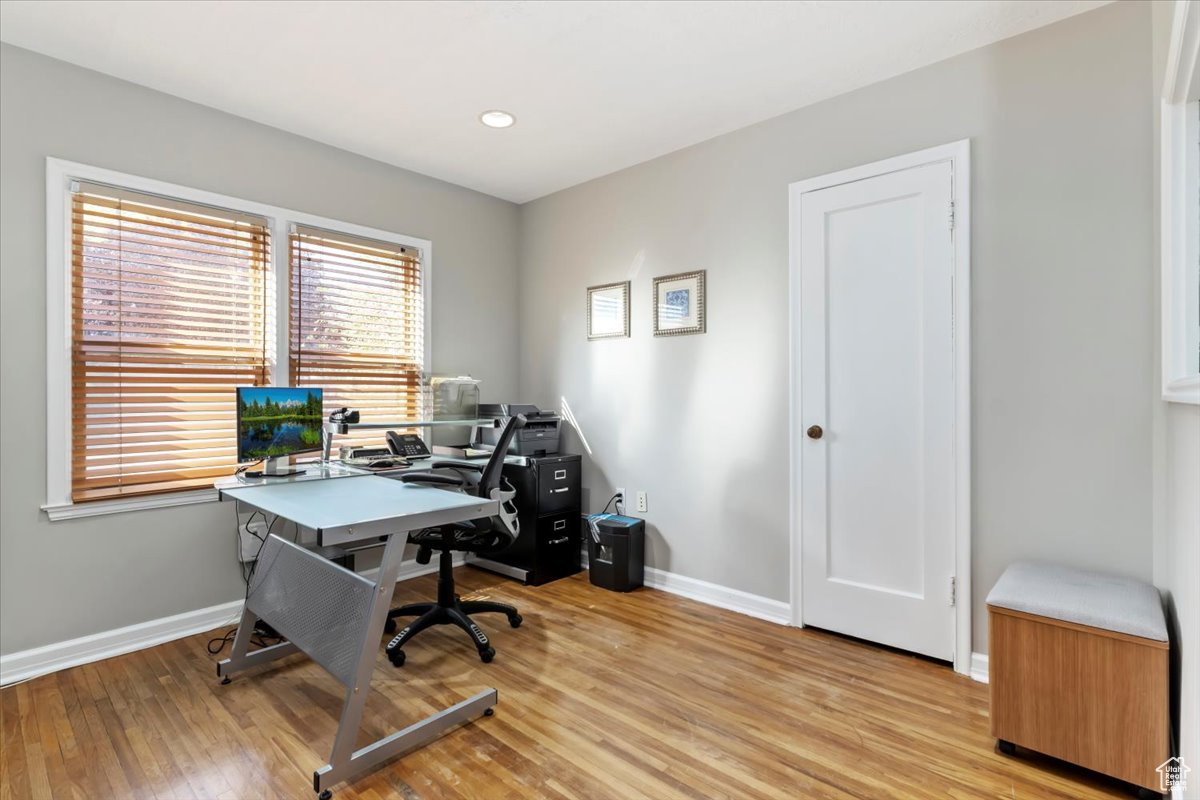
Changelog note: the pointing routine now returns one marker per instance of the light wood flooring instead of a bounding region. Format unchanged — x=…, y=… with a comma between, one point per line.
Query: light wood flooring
x=602, y=695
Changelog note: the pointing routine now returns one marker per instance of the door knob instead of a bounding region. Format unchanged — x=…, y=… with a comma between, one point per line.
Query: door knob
x=815, y=432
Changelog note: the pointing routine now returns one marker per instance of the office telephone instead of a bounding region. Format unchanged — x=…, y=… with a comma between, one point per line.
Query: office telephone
x=408, y=445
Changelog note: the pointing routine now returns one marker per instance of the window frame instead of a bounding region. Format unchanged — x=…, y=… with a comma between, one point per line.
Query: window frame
x=60, y=174
x=1179, y=175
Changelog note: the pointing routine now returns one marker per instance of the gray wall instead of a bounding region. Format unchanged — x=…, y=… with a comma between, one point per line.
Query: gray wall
x=67, y=579
x=1177, y=490
x=1062, y=308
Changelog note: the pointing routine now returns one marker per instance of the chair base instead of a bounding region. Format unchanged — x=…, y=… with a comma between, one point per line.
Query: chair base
x=449, y=609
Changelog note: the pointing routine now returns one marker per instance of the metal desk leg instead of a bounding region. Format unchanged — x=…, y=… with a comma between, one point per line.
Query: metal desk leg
x=239, y=659
x=344, y=760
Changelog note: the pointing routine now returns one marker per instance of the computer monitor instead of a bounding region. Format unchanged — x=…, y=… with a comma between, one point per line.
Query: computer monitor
x=275, y=422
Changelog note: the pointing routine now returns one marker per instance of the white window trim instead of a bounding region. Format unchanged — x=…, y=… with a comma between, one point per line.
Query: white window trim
x=59, y=175
x=1180, y=207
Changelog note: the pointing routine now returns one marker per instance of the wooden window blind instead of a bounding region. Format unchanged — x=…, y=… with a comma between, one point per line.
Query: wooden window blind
x=356, y=325
x=169, y=315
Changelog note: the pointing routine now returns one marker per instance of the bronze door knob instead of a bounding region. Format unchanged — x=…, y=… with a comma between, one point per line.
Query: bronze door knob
x=815, y=432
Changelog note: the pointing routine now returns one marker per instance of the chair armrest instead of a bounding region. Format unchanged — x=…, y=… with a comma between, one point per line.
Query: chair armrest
x=430, y=477
x=457, y=465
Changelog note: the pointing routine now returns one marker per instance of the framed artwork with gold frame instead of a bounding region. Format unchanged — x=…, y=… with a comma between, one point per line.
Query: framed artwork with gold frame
x=608, y=311
x=679, y=304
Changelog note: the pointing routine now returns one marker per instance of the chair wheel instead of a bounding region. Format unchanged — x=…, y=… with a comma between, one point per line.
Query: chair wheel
x=396, y=657
x=487, y=712
x=1006, y=747
x=389, y=627
x=487, y=655
x=515, y=620
x=325, y=795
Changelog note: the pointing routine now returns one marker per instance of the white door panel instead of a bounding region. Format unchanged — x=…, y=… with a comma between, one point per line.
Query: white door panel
x=877, y=361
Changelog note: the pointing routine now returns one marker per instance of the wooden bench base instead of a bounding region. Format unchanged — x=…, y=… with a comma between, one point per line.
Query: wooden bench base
x=1093, y=697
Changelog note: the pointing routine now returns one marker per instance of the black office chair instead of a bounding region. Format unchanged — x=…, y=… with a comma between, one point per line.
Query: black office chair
x=486, y=535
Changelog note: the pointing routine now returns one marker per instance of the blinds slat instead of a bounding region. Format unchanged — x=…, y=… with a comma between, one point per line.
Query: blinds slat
x=154, y=287
x=97, y=357
x=360, y=298
x=139, y=243
x=130, y=478
x=135, y=317
x=109, y=493
x=101, y=350
x=108, y=273
x=100, y=437
x=395, y=274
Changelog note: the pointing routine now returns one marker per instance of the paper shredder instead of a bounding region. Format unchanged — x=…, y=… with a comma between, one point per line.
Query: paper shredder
x=616, y=551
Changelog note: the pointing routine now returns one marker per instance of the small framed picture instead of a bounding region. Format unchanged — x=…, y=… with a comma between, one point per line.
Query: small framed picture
x=608, y=310
x=679, y=304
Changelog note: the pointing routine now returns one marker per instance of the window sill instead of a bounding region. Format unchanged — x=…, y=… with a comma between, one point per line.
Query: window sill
x=62, y=511
x=1183, y=390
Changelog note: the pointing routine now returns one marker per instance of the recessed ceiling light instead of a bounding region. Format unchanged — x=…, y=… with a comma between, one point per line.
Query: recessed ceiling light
x=497, y=119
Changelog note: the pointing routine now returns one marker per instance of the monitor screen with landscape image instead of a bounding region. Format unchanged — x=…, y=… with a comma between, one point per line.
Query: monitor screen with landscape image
x=275, y=421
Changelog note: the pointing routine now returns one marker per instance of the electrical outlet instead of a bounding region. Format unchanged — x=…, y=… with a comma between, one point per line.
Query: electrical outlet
x=641, y=501
x=620, y=501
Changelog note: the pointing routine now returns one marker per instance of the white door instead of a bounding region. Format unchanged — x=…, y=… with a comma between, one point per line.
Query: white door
x=877, y=404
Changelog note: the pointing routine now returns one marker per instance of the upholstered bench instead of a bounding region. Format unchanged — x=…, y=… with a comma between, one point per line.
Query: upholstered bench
x=1078, y=667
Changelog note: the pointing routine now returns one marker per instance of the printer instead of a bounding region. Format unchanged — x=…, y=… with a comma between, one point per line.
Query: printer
x=539, y=437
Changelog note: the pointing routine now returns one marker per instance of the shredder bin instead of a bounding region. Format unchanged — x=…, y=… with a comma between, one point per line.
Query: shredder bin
x=616, y=551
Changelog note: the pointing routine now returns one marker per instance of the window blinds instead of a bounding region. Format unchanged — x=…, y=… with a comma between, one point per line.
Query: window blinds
x=169, y=314
x=356, y=325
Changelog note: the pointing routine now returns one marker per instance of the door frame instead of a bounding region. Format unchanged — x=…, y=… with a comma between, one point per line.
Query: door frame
x=959, y=155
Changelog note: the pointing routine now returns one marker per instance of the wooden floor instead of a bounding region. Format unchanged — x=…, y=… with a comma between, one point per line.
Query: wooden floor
x=602, y=695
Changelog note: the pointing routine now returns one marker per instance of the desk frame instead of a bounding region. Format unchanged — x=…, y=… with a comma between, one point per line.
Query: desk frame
x=345, y=761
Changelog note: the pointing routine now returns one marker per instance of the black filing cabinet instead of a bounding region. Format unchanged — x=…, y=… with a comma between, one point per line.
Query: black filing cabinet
x=548, y=507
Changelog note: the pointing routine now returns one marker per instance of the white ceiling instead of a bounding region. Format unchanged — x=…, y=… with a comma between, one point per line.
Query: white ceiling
x=595, y=86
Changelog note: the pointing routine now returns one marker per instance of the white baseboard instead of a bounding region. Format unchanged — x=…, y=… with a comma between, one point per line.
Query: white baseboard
x=99, y=646
x=979, y=667
x=752, y=605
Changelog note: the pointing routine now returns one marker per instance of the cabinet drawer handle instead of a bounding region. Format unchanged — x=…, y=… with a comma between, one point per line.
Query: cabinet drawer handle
x=560, y=540
x=560, y=474
x=560, y=525
x=559, y=491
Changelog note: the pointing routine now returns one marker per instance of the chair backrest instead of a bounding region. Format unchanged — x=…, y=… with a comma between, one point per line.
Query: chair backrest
x=489, y=479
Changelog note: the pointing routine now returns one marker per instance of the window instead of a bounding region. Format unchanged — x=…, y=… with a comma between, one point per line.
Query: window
x=167, y=317
x=1180, y=209
x=357, y=325
x=162, y=299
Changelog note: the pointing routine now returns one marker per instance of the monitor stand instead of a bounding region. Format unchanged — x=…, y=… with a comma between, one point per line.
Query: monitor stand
x=280, y=467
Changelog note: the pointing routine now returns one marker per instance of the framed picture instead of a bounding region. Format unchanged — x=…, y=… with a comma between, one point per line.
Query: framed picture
x=679, y=304
x=608, y=310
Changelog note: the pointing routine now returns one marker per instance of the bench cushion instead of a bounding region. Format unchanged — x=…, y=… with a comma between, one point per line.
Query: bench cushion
x=1087, y=598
